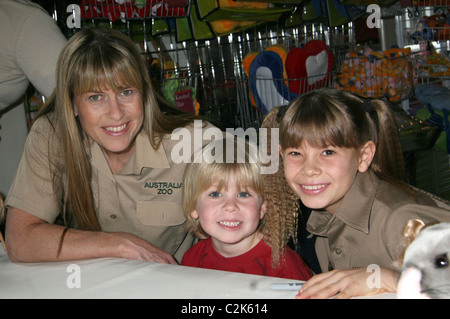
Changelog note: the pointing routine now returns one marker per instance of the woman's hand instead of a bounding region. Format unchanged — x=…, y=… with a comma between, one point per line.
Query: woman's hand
x=30, y=239
x=133, y=247
x=343, y=284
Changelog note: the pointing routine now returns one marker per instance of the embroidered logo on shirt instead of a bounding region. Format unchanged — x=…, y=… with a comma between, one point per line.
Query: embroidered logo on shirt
x=163, y=187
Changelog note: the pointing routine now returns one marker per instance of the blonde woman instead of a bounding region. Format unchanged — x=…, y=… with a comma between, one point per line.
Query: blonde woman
x=97, y=178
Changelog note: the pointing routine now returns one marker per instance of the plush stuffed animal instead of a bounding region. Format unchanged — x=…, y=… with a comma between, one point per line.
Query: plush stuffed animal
x=267, y=77
x=376, y=74
x=436, y=27
x=266, y=81
x=426, y=269
x=309, y=67
x=277, y=76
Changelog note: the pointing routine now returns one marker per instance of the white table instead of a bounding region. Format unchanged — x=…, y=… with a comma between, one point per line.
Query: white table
x=123, y=278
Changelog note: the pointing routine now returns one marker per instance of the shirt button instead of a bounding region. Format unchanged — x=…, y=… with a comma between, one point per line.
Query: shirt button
x=113, y=216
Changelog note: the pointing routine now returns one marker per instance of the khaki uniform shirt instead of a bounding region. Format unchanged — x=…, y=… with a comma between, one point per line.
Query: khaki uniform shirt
x=368, y=226
x=143, y=199
x=30, y=45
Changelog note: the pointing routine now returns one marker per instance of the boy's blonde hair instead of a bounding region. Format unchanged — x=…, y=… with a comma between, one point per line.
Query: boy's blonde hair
x=214, y=164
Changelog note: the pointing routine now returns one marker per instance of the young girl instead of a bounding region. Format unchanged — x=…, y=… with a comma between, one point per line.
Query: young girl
x=347, y=167
x=223, y=201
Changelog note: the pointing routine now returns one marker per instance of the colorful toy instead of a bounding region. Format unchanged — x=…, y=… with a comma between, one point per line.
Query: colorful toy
x=246, y=62
x=267, y=83
x=375, y=74
x=222, y=27
x=309, y=67
x=177, y=92
x=242, y=4
x=267, y=77
x=277, y=76
x=282, y=52
x=432, y=65
x=433, y=27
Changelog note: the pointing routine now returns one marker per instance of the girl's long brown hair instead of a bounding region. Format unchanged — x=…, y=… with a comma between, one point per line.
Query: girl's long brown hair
x=323, y=117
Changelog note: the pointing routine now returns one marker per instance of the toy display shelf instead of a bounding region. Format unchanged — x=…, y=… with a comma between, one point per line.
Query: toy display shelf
x=422, y=25
x=376, y=77
x=221, y=86
x=212, y=10
x=113, y=10
x=212, y=68
x=432, y=68
x=425, y=29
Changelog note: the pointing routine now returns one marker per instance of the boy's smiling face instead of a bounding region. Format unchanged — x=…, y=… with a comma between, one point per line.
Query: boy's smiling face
x=231, y=216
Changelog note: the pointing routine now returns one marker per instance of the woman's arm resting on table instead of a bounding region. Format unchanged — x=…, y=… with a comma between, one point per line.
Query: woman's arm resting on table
x=30, y=239
x=348, y=283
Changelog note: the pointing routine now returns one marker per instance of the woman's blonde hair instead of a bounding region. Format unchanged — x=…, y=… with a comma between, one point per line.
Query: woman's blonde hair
x=213, y=165
x=94, y=59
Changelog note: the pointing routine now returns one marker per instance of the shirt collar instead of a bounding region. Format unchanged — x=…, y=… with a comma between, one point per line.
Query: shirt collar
x=144, y=156
x=354, y=210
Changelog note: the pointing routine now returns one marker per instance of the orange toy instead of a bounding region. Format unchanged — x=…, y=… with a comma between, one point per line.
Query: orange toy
x=221, y=27
x=242, y=4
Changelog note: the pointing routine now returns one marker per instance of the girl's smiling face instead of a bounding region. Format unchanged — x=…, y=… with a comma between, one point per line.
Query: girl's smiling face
x=231, y=216
x=321, y=177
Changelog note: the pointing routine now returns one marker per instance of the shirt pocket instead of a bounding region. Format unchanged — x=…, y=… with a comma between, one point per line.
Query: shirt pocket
x=156, y=213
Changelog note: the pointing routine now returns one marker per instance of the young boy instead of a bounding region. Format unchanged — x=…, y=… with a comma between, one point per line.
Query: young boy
x=223, y=201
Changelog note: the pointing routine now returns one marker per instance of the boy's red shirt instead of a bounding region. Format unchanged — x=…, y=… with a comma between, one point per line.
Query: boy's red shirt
x=257, y=261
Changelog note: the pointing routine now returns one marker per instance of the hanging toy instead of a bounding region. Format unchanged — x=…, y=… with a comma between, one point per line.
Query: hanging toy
x=178, y=93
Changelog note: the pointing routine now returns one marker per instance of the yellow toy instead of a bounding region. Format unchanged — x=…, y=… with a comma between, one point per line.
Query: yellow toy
x=222, y=27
